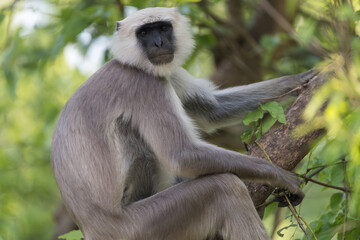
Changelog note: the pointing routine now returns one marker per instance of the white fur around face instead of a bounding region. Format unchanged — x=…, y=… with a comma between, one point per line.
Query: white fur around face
x=126, y=49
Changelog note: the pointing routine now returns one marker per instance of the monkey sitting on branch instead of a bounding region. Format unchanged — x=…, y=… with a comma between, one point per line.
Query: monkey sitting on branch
x=129, y=131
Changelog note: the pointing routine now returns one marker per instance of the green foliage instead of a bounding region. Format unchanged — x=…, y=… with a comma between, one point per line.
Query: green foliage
x=332, y=220
x=339, y=151
x=255, y=116
x=341, y=118
x=336, y=28
x=73, y=235
x=276, y=111
x=258, y=125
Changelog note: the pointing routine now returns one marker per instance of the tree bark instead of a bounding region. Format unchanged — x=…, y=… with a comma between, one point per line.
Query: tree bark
x=283, y=148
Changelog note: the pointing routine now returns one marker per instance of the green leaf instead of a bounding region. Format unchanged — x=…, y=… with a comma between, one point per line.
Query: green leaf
x=337, y=175
x=275, y=110
x=335, y=200
x=246, y=136
x=253, y=116
x=73, y=235
x=258, y=133
x=353, y=234
x=267, y=123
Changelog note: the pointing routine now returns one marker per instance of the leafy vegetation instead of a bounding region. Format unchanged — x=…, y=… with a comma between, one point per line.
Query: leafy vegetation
x=73, y=235
x=49, y=47
x=260, y=126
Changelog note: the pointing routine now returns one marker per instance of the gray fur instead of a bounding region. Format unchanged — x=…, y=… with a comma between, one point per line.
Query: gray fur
x=213, y=108
x=116, y=141
x=124, y=137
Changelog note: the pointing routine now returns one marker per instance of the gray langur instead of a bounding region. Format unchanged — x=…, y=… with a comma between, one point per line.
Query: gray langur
x=128, y=132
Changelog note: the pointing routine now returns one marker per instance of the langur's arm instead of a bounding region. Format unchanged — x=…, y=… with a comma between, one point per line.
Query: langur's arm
x=166, y=129
x=213, y=108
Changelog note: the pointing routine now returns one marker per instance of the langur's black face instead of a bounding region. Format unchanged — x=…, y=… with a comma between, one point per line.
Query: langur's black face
x=157, y=41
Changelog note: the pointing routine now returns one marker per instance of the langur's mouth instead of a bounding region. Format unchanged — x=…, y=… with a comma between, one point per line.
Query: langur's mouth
x=162, y=59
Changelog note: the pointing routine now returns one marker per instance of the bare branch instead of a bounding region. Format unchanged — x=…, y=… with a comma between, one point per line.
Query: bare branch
x=346, y=190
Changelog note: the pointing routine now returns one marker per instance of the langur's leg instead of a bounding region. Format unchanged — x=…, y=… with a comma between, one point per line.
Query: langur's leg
x=210, y=207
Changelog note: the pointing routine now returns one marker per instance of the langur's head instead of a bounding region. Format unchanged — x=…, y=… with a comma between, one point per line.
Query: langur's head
x=155, y=40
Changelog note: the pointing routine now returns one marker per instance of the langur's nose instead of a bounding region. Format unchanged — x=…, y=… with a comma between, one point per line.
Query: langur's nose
x=158, y=42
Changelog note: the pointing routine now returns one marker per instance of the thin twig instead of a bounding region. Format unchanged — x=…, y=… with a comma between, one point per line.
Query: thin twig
x=308, y=162
x=308, y=226
x=293, y=211
x=308, y=178
x=298, y=88
x=324, y=166
x=292, y=236
x=346, y=190
x=267, y=156
x=267, y=203
x=310, y=175
x=346, y=199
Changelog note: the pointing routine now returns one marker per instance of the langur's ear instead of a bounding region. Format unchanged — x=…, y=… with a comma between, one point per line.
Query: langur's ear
x=118, y=25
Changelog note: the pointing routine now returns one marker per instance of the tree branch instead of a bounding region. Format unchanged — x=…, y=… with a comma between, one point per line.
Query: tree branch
x=280, y=144
x=346, y=190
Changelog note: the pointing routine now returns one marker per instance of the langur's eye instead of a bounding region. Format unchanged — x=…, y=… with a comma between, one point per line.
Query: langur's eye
x=164, y=28
x=143, y=33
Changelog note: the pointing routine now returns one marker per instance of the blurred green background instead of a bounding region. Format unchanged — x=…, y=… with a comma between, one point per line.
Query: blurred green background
x=49, y=47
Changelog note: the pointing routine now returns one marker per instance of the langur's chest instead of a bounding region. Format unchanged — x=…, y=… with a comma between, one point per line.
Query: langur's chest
x=145, y=175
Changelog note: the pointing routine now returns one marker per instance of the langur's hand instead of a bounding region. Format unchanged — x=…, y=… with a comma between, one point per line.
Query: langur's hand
x=294, y=199
x=290, y=186
x=303, y=78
